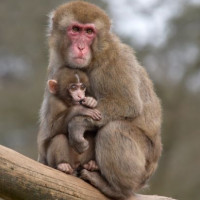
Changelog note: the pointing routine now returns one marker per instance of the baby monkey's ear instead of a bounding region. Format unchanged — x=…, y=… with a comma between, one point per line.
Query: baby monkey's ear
x=52, y=85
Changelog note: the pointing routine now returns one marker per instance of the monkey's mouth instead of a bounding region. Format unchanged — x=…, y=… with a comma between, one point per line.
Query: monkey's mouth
x=78, y=102
x=81, y=101
x=81, y=58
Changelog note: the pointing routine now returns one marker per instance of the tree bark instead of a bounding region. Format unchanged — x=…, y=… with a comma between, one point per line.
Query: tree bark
x=24, y=178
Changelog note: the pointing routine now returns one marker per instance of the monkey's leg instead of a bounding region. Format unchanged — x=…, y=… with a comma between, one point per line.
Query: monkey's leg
x=121, y=154
x=78, y=142
x=58, y=154
x=41, y=143
x=76, y=130
x=42, y=159
x=99, y=182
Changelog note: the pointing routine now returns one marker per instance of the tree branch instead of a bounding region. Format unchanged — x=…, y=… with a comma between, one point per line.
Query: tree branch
x=24, y=178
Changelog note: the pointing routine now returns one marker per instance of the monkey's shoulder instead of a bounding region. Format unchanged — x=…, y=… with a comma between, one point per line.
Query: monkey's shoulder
x=56, y=105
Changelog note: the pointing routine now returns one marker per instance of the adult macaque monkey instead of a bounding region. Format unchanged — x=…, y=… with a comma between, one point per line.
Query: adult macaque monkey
x=128, y=143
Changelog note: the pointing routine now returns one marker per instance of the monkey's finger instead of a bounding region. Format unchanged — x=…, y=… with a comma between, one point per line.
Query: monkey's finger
x=65, y=167
x=92, y=166
x=90, y=105
x=93, y=103
x=87, y=99
x=98, y=114
x=89, y=167
x=86, y=166
x=96, y=166
x=86, y=103
x=84, y=100
x=90, y=100
x=91, y=114
x=95, y=116
x=70, y=170
x=98, y=117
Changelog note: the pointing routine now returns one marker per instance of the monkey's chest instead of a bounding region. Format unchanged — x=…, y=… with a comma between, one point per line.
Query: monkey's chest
x=99, y=89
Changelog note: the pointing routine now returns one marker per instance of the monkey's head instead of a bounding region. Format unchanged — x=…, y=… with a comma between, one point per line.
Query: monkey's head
x=69, y=85
x=78, y=32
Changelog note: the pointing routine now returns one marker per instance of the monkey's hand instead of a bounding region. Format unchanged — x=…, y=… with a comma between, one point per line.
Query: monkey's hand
x=91, y=166
x=89, y=102
x=93, y=113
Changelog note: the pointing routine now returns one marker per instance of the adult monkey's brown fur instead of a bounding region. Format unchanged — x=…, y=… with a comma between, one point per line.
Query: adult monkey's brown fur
x=128, y=142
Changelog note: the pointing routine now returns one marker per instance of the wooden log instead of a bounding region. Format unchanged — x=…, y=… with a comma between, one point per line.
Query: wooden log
x=24, y=178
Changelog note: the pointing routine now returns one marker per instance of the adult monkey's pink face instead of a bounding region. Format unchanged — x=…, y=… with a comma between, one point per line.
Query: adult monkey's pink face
x=78, y=32
x=81, y=37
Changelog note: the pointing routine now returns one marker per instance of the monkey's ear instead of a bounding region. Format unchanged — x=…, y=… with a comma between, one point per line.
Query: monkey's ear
x=52, y=85
x=51, y=18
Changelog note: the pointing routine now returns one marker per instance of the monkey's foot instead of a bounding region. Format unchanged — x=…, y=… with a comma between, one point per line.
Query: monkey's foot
x=91, y=166
x=81, y=146
x=65, y=167
x=99, y=182
x=92, y=177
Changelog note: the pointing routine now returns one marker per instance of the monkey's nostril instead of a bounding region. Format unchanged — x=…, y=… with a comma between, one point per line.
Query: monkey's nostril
x=81, y=48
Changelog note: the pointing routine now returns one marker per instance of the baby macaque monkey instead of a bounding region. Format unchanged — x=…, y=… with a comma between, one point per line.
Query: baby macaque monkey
x=69, y=86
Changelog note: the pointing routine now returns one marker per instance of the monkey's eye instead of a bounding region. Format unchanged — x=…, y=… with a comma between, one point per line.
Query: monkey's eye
x=73, y=87
x=89, y=31
x=76, y=29
x=83, y=87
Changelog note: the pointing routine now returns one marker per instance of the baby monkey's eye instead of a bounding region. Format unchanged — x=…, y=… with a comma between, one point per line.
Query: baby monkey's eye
x=83, y=87
x=73, y=87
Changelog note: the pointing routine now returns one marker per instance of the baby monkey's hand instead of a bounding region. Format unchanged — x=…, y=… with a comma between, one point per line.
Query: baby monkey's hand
x=89, y=102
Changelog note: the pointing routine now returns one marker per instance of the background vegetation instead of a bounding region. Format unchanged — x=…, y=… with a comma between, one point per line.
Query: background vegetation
x=166, y=38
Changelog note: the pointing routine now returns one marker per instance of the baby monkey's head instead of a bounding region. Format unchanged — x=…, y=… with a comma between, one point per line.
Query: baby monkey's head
x=69, y=85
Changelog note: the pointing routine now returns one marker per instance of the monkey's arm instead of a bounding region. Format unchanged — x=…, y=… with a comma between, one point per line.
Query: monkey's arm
x=62, y=119
x=126, y=106
x=114, y=109
x=111, y=109
x=56, y=112
x=119, y=106
x=118, y=91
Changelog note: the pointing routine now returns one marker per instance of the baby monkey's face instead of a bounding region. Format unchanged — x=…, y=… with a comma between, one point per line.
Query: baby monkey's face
x=77, y=92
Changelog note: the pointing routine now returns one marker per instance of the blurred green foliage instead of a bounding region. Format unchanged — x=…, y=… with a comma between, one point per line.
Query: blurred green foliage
x=175, y=71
